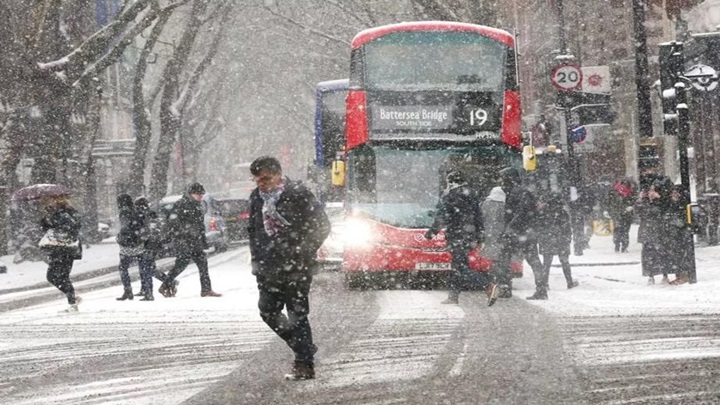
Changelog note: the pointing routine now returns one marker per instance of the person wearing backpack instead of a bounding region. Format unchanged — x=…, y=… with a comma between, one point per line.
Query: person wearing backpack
x=130, y=241
x=151, y=237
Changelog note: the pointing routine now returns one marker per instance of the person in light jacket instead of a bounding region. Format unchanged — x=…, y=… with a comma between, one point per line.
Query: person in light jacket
x=493, y=212
x=64, y=220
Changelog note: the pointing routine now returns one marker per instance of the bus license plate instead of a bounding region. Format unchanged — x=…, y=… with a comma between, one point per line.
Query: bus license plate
x=432, y=266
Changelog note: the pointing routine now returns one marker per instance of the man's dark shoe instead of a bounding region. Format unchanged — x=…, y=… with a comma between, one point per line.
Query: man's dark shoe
x=128, y=295
x=148, y=297
x=540, y=294
x=140, y=294
x=301, y=371
x=450, y=301
x=492, y=293
x=573, y=284
x=210, y=293
x=165, y=291
x=505, y=291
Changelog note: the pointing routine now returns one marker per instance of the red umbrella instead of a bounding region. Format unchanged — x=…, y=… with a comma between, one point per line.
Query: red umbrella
x=37, y=191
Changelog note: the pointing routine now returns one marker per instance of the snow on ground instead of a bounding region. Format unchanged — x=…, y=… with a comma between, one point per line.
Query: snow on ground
x=607, y=290
x=25, y=274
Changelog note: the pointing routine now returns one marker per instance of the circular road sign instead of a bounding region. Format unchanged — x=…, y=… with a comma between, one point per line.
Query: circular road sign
x=578, y=134
x=566, y=77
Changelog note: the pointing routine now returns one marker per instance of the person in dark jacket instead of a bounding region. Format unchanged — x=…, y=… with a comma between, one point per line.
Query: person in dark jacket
x=459, y=211
x=129, y=240
x=519, y=237
x=287, y=226
x=186, y=225
x=653, y=206
x=621, y=203
x=152, y=244
x=678, y=234
x=65, y=223
x=554, y=236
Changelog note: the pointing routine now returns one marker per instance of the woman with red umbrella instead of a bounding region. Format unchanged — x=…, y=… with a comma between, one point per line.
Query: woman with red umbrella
x=61, y=225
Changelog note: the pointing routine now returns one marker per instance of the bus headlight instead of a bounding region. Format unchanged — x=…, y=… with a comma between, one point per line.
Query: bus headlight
x=357, y=233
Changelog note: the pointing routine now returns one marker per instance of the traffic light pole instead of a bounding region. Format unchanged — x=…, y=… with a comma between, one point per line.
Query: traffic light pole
x=683, y=119
x=563, y=100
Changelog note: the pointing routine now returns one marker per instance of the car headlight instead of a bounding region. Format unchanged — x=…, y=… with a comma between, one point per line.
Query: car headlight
x=357, y=233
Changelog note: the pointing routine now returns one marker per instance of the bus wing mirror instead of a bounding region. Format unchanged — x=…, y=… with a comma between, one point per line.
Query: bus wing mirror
x=338, y=173
x=529, y=158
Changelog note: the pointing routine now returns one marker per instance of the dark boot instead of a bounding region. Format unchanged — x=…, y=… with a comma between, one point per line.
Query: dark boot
x=540, y=294
x=140, y=294
x=128, y=295
x=301, y=371
x=572, y=284
x=148, y=297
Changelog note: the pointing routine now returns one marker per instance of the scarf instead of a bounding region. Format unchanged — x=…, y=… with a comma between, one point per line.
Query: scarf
x=272, y=220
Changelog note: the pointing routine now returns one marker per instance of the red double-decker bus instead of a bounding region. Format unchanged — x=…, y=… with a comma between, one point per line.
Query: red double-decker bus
x=425, y=98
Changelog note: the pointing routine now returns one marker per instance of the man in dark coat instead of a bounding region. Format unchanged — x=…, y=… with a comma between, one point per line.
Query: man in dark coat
x=519, y=237
x=186, y=224
x=287, y=226
x=459, y=211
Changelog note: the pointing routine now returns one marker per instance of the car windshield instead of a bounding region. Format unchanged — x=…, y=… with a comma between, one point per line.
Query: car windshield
x=402, y=187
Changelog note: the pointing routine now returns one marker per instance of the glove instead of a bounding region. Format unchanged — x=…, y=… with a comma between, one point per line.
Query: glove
x=629, y=209
x=429, y=234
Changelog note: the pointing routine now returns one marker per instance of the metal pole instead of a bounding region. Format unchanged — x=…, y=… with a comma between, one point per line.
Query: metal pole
x=683, y=143
x=563, y=99
x=642, y=80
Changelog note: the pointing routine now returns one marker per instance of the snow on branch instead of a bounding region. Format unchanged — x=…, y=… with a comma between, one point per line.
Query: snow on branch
x=306, y=28
x=127, y=39
x=97, y=43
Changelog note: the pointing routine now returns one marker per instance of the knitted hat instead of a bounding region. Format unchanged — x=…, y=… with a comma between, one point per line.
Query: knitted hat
x=196, y=188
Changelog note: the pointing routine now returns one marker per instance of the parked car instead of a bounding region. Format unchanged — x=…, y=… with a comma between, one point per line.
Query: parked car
x=236, y=213
x=215, y=228
x=330, y=254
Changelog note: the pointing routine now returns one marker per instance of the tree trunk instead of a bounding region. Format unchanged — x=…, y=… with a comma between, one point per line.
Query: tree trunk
x=169, y=120
x=140, y=112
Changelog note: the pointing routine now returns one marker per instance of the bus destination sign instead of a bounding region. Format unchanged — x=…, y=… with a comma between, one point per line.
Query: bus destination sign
x=424, y=118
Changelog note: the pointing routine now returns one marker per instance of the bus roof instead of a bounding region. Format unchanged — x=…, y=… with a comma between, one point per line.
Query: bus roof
x=368, y=35
x=333, y=85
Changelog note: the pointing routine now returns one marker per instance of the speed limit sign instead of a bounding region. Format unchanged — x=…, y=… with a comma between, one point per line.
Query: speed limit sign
x=566, y=77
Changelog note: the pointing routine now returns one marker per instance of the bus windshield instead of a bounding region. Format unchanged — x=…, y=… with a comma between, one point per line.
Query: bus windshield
x=435, y=60
x=402, y=187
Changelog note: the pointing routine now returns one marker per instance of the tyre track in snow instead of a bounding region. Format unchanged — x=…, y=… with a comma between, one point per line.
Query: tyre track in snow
x=647, y=360
x=404, y=347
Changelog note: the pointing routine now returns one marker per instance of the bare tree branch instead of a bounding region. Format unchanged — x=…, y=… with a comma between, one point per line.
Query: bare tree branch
x=94, y=46
x=306, y=28
x=117, y=51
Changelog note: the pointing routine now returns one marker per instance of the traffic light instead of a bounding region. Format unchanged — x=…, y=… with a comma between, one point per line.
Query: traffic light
x=648, y=157
x=672, y=67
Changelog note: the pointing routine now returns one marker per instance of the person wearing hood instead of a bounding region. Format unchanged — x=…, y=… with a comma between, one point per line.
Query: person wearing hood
x=129, y=240
x=287, y=227
x=621, y=202
x=186, y=224
x=493, y=213
x=555, y=236
x=152, y=244
x=519, y=237
x=459, y=211
x=63, y=221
